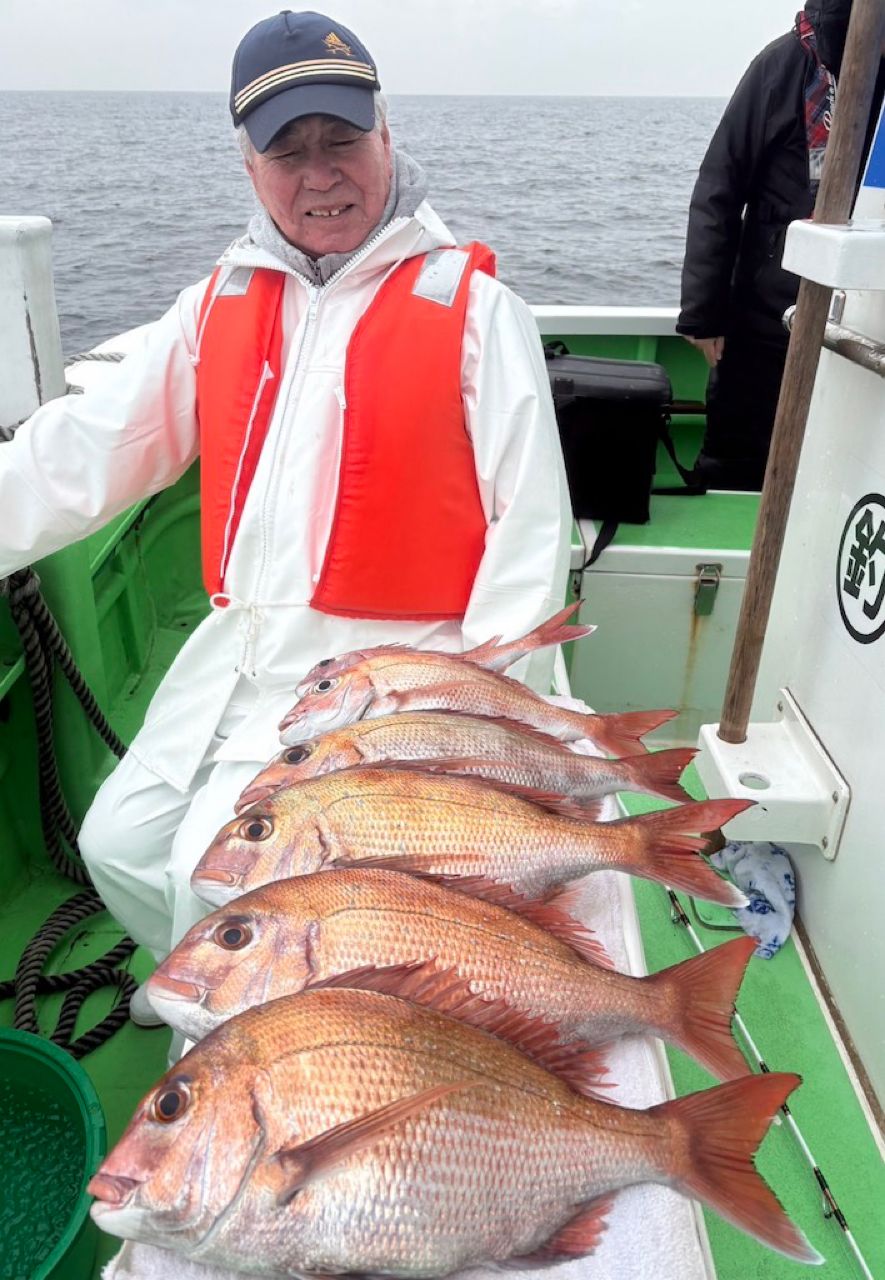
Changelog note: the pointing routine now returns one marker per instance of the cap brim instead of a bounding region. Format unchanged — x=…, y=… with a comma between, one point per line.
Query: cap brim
x=346, y=102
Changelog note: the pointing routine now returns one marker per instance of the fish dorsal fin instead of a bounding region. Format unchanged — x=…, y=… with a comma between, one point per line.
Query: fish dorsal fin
x=482, y=652
x=449, y=766
x=578, y=1238
x=446, y=992
x=520, y=727
x=424, y=866
x=499, y=722
x=552, y=918
x=309, y=1161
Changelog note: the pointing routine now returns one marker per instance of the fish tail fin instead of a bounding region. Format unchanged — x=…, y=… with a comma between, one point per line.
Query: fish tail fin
x=700, y=996
x=621, y=734
x=658, y=772
x=666, y=852
x=556, y=630
x=715, y=1135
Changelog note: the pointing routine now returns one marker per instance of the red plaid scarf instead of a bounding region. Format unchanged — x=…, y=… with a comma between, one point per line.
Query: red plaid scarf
x=820, y=101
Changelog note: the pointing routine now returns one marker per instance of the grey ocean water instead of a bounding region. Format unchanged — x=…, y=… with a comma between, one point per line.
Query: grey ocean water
x=584, y=199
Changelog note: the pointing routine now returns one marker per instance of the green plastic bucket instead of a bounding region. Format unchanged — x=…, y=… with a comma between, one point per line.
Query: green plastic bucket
x=52, y=1139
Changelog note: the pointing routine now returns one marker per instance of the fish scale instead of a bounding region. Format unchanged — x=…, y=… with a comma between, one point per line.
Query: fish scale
x=318, y=927
x=452, y=826
x=392, y=683
x=506, y=1159
x=491, y=1163
x=475, y=746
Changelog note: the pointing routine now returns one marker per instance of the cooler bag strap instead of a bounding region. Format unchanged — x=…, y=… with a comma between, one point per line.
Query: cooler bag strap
x=691, y=488
x=607, y=531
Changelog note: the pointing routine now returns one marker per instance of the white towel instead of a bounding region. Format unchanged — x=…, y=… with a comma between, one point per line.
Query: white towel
x=765, y=874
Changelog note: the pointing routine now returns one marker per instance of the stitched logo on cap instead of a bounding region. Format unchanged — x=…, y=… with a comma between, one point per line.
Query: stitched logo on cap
x=336, y=45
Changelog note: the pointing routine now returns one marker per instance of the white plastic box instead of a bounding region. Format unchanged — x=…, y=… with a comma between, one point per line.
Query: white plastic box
x=666, y=618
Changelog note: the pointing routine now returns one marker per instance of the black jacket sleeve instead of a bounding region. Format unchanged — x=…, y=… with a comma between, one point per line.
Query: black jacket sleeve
x=724, y=185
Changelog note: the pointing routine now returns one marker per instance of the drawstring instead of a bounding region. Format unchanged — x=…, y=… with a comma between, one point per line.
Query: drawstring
x=248, y=626
x=224, y=600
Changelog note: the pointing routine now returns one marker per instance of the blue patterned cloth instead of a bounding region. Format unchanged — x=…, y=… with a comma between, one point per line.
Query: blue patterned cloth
x=765, y=874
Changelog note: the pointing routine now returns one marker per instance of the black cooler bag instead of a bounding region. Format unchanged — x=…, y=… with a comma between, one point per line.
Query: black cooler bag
x=611, y=414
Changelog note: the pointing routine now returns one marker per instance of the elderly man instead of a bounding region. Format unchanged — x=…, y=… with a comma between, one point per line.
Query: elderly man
x=379, y=457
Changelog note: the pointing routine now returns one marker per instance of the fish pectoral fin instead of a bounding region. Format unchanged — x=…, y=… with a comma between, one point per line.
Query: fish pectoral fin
x=576, y=1239
x=414, y=864
x=309, y=1161
x=389, y=979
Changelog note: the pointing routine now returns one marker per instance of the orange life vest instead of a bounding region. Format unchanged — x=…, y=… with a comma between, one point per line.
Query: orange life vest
x=408, y=531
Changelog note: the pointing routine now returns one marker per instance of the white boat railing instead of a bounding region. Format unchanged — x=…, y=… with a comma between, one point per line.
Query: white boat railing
x=639, y=322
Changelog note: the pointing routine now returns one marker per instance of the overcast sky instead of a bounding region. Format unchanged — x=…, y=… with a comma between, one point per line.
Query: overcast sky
x=682, y=47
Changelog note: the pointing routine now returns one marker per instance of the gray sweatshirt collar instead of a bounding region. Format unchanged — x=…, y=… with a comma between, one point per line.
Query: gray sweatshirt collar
x=408, y=187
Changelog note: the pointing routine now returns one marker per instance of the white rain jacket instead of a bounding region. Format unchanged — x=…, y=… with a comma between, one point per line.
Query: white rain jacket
x=80, y=460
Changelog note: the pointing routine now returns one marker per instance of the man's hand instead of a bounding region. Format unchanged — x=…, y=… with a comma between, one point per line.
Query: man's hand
x=712, y=348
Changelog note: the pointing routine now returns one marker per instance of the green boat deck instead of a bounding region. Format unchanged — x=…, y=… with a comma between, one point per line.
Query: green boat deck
x=126, y=601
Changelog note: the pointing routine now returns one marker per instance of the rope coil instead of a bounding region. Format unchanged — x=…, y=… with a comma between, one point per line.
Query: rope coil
x=44, y=648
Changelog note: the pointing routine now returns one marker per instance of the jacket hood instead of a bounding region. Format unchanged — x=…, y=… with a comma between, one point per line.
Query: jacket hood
x=402, y=238
x=830, y=21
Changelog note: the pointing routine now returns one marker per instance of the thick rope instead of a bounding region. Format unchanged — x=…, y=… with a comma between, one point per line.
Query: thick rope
x=55, y=818
x=97, y=976
x=49, y=984
x=109, y=356
x=112, y=356
x=43, y=645
x=54, y=642
x=29, y=981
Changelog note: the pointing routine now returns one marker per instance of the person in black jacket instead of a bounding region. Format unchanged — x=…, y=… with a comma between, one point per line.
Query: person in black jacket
x=761, y=171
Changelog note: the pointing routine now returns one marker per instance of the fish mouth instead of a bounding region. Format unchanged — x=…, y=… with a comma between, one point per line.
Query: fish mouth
x=295, y=729
x=217, y=887
x=289, y=718
x=216, y=875
x=111, y=1191
x=166, y=988
x=252, y=795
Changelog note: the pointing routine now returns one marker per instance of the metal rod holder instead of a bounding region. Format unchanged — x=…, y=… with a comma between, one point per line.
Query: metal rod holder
x=848, y=343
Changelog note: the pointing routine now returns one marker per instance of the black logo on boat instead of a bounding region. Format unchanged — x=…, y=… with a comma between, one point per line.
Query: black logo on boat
x=860, y=571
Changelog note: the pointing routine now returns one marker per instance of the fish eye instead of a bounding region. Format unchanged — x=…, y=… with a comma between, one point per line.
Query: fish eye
x=256, y=828
x=296, y=754
x=233, y=936
x=323, y=686
x=171, y=1102
x=325, y=662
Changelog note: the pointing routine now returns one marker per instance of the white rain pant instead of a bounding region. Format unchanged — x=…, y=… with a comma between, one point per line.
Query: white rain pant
x=142, y=838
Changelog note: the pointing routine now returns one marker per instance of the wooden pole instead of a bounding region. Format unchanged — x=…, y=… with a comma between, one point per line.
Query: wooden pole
x=860, y=64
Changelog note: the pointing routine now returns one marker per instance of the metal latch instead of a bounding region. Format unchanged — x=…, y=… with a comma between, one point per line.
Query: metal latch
x=706, y=586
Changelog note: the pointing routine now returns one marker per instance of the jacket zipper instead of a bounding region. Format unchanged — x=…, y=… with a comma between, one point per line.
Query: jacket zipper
x=247, y=661
x=243, y=260
x=266, y=375
x=315, y=294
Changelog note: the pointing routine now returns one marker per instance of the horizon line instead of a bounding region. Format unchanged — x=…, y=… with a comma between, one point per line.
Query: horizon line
x=394, y=94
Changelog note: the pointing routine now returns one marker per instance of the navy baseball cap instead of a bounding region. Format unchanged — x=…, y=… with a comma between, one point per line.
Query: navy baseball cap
x=300, y=64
